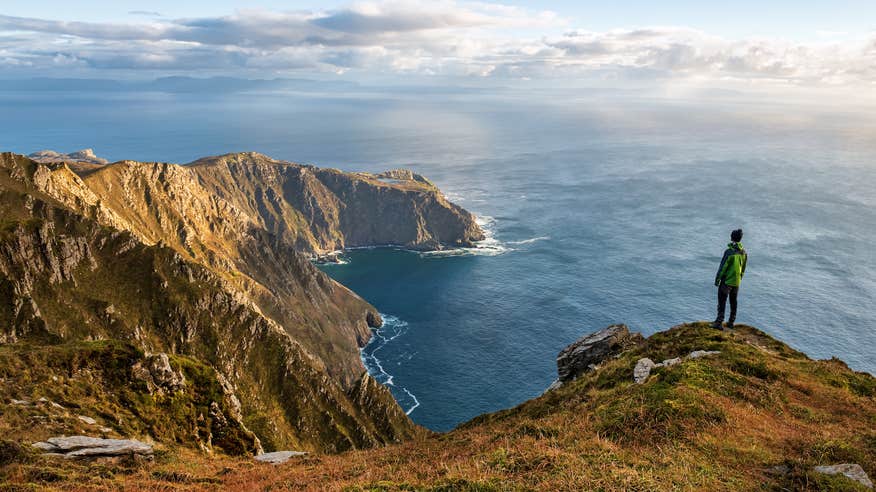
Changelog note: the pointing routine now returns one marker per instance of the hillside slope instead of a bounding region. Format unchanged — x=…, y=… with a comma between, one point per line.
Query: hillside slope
x=254, y=221
x=256, y=320
x=757, y=415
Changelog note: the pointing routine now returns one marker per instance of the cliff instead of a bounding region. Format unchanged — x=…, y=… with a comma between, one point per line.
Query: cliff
x=325, y=209
x=254, y=221
x=209, y=265
x=731, y=410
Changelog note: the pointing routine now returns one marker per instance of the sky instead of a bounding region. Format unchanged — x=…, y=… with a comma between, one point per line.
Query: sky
x=742, y=44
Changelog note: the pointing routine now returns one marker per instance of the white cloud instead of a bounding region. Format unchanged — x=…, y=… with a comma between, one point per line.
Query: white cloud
x=439, y=37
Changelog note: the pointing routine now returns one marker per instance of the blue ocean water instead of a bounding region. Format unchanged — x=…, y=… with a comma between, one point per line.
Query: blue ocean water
x=601, y=210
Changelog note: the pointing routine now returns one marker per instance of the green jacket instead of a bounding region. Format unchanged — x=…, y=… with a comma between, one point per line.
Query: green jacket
x=732, y=267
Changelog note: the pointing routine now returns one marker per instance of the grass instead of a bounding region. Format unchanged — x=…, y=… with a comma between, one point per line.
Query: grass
x=95, y=379
x=718, y=423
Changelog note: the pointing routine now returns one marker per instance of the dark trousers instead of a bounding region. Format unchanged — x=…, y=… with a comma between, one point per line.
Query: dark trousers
x=725, y=291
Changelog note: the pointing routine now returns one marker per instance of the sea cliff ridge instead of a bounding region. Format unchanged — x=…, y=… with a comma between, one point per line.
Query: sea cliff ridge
x=206, y=266
x=162, y=326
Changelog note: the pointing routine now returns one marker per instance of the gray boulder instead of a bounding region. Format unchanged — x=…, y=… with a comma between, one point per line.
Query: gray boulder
x=278, y=457
x=851, y=470
x=643, y=370
x=589, y=351
x=94, y=447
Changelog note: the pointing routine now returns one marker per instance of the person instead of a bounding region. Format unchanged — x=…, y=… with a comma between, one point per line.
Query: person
x=729, y=276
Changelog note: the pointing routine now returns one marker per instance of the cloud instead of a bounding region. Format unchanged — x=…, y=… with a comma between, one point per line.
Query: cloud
x=145, y=13
x=438, y=37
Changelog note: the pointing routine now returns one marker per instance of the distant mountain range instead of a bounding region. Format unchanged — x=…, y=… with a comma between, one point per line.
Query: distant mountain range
x=174, y=85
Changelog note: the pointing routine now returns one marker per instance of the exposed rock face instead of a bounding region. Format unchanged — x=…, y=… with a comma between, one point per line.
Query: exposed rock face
x=852, y=471
x=589, y=351
x=93, y=447
x=158, y=375
x=325, y=209
x=255, y=222
x=144, y=254
x=403, y=175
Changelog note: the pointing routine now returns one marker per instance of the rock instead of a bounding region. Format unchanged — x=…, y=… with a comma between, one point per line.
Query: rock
x=93, y=447
x=555, y=385
x=333, y=257
x=670, y=362
x=851, y=470
x=373, y=319
x=644, y=366
x=46, y=401
x=589, y=351
x=45, y=446
x=278, y=457
x=23, y=403
x=643, y=370
x=696, y=354
x=87, y=420
x=158, y=374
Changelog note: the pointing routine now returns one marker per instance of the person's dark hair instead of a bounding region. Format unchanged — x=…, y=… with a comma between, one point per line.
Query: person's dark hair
x=736, y=235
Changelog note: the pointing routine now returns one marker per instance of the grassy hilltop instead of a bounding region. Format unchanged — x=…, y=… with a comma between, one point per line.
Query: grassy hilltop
x=756, y=416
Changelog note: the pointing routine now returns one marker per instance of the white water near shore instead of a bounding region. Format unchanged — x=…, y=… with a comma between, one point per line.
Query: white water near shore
x=391, y=329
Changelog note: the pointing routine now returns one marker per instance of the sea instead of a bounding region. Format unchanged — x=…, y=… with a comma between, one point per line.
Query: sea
x=599, y=207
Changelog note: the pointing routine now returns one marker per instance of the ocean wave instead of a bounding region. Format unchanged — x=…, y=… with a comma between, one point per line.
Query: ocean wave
x=489, y=246
x=530, y=240
x=391, y=329
x=416, y=401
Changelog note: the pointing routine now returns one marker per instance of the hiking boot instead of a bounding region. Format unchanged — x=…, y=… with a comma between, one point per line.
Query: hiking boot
x=717, y=325
x=729, y=325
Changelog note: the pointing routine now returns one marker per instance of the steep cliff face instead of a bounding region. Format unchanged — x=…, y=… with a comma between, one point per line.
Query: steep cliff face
x=253, y=221
x=326, y=209
x=144, y=258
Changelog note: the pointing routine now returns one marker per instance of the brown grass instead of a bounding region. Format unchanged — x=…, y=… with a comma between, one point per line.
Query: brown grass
x=719, y=423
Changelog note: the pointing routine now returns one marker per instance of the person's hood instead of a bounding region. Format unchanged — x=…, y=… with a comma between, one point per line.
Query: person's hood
x=735, y=246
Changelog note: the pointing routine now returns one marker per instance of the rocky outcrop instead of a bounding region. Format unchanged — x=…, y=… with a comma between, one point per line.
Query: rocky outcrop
x=84, y=447
x=158, y=374
x=852, y=471
x=397, y=175
x=589, y=351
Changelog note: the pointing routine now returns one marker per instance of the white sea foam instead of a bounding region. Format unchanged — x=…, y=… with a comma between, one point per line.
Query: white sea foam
x=339, y=253
x=416, y=401
x=391, y=329
x=489, y=246
x=530, y=240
